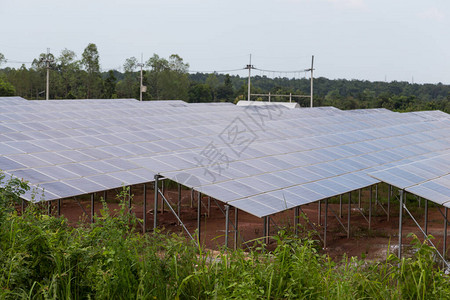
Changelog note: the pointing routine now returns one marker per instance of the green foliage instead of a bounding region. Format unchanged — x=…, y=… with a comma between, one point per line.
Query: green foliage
x=41, y=257
x=6, y=88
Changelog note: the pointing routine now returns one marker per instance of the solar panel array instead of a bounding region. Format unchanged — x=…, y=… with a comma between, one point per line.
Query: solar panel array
x=428, y=178
x=261, y=159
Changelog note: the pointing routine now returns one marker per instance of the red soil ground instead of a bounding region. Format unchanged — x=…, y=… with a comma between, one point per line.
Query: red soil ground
x=372, y=244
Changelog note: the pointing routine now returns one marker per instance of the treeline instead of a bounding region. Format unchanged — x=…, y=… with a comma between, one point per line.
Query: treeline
x=73, y=77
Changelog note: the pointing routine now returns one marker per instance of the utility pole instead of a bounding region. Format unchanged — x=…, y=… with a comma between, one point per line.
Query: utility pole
x=141, y=87
x=47, y=61
x=249, y=67
x=312, y=80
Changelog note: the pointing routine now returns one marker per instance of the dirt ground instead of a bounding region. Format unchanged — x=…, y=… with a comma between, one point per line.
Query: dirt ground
x=372, y=244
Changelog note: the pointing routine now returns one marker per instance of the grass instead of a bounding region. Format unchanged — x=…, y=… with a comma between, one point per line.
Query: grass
x=41, y=257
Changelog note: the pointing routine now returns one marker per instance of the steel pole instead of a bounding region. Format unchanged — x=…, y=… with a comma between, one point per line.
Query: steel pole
x=389, y=202
x=296, y=219
x=59, y=207
x=340, y=206
x=426, y=216
x=325, y=225
x=144, y=210
x=400, y=220
x=227, y=222
x=155, y=205
x=92, y=207
x=199, y=213
x=179, y=202
x=235, y=228
x=319, y=214
x=349, y=213
x=444, y=250
x=370, y=208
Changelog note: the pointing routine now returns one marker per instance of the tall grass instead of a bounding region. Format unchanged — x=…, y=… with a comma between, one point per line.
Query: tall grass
x=42, y=257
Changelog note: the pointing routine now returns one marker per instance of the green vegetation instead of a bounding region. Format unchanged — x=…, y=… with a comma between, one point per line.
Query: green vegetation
x=169, y=79
x=41, y=257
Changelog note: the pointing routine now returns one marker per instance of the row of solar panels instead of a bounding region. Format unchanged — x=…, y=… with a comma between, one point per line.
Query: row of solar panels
x=260, y=159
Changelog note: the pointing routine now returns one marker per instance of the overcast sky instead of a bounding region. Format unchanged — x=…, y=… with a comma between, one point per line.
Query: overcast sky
x=352, y=39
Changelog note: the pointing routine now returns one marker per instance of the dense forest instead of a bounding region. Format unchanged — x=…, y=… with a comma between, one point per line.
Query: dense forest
x=169, y=78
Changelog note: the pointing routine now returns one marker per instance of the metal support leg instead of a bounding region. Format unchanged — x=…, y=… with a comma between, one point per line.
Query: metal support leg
x=227, y=222
x=389, y=202
x=104, y=196
x=144, y=210
x=420, y=200
x=162, y=200
x=296, y=216
x=192, y=198
x=376, y=193
x=92, y=207
x=179, y=202
x=426, y=216
x=400, y=220
x=370, y=209
x=325, y=225
x=267, y=229
x=199, y=214
x=359, y=198
x=340, y=206
x=444, y=253
x=235, y=228
x=129, y=197
x=349, y=213
x=319, y=214
x=209, y=206
x=59, y=207
x=155, y=205
x=49, y=208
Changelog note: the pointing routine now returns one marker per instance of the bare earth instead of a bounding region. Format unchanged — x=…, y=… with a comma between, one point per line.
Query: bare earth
x=372, y=244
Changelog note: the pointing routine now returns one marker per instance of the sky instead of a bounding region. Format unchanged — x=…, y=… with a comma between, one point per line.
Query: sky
x=375, y=40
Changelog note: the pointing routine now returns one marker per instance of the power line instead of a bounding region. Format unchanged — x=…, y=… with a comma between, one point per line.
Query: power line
x=292, y=71
x=220, y=71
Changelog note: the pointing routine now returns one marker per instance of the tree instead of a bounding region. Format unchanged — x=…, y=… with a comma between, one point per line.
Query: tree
x=6, y=88
x=129, y=86
x=110, y=85
x=225, y=91
x=200, y=93
x=168, y=79
x=69, y=69
x=2, y=59
x=213, y=83
x=91, y=62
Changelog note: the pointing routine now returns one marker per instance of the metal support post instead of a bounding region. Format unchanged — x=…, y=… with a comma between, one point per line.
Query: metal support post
x=162, y=200
x=227, y=222
x=376, y=193
x=370, y=208
x=104, y=196
x=426, y=217
x=400, y=220
x=209, y=206
x=59, y=207
x=340, y=206
x=49, y=208
x=349, y=213
x=389, y=202
x=267, y=229
x=199, y=213
x=179, y=202
x=319, y=214
x=155, y=205
x=444, y=250
x=129, y=197
x=144, y=210
x=92, y=207
x=325, y=225
x=296, y=219
x=235, y=228
x=359, y=198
